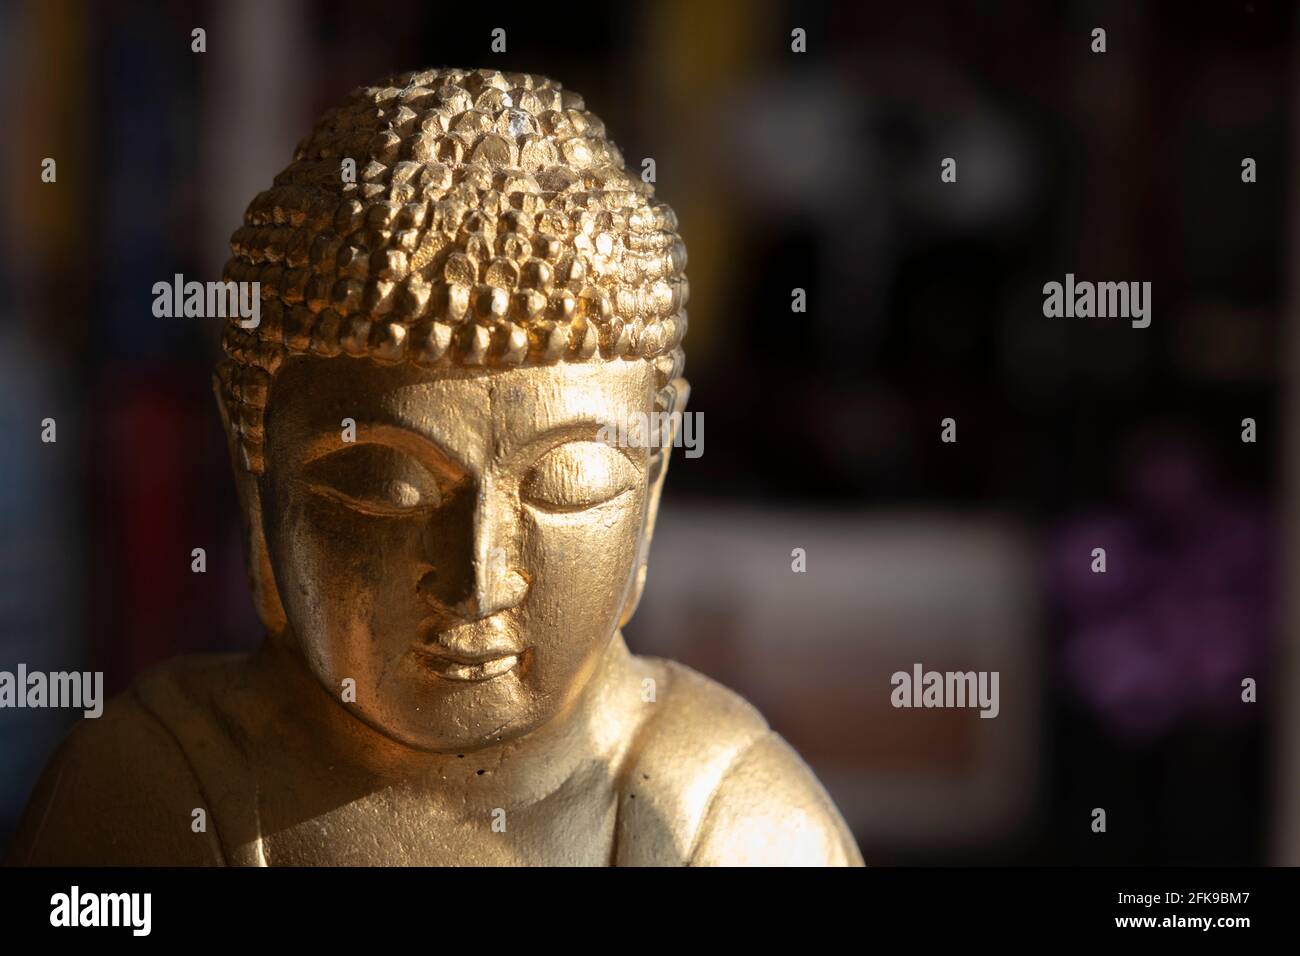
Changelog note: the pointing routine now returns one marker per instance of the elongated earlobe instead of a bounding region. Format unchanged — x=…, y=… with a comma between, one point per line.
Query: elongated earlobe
x=261, y=577
x=658, y=471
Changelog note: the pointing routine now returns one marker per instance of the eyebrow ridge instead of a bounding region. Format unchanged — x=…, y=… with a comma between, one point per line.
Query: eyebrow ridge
x=586, y=428
x=383, y=433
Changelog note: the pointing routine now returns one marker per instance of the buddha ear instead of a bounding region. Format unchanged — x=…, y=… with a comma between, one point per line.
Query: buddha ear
x=678, y=393
x=261, y=578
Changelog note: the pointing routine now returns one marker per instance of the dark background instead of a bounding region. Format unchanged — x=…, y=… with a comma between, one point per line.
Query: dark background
x=817, y=170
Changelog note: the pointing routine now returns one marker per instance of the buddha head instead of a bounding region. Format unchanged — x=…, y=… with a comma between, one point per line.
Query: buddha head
x=461, y=285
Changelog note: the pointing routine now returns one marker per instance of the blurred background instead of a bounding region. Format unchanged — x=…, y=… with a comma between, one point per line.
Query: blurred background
x=816, y=170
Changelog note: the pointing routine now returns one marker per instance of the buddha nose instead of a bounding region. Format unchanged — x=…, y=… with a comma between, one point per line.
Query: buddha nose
x=497, y=586
x=485, y=579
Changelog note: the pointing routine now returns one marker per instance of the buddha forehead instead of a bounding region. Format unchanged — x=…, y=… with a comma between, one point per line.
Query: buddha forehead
x=474, y=411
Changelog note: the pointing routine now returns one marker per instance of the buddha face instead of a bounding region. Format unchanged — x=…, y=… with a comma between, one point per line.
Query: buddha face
x=465, y=557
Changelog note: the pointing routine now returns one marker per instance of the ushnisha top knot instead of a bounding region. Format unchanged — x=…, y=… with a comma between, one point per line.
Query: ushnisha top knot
x=490, y=222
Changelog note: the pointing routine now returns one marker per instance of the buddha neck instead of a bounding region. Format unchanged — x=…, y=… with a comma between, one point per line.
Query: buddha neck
x=309, y=724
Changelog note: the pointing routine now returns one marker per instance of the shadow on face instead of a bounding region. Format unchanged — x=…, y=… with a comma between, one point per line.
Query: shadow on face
x=459, y=543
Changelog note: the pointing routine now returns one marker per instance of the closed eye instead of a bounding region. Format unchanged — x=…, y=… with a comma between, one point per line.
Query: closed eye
x=578, y=475
x=378, y=480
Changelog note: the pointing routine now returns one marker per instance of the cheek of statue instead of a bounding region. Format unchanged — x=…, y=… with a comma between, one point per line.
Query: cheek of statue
x=582, y=564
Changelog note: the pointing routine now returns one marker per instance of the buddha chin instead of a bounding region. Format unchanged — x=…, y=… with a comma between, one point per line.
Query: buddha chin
x=443, y=545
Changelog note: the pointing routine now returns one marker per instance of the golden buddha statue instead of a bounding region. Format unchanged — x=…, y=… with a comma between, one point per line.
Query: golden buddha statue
x=441, y=548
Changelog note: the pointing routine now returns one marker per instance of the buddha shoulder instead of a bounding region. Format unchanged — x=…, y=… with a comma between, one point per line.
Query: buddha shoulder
x=120, y=790
x=708, y=783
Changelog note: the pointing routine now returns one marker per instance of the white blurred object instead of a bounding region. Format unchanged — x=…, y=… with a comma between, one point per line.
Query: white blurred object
x=815, y=652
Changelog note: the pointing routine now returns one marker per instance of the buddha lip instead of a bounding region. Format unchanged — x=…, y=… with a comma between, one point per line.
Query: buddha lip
x=476, y=668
